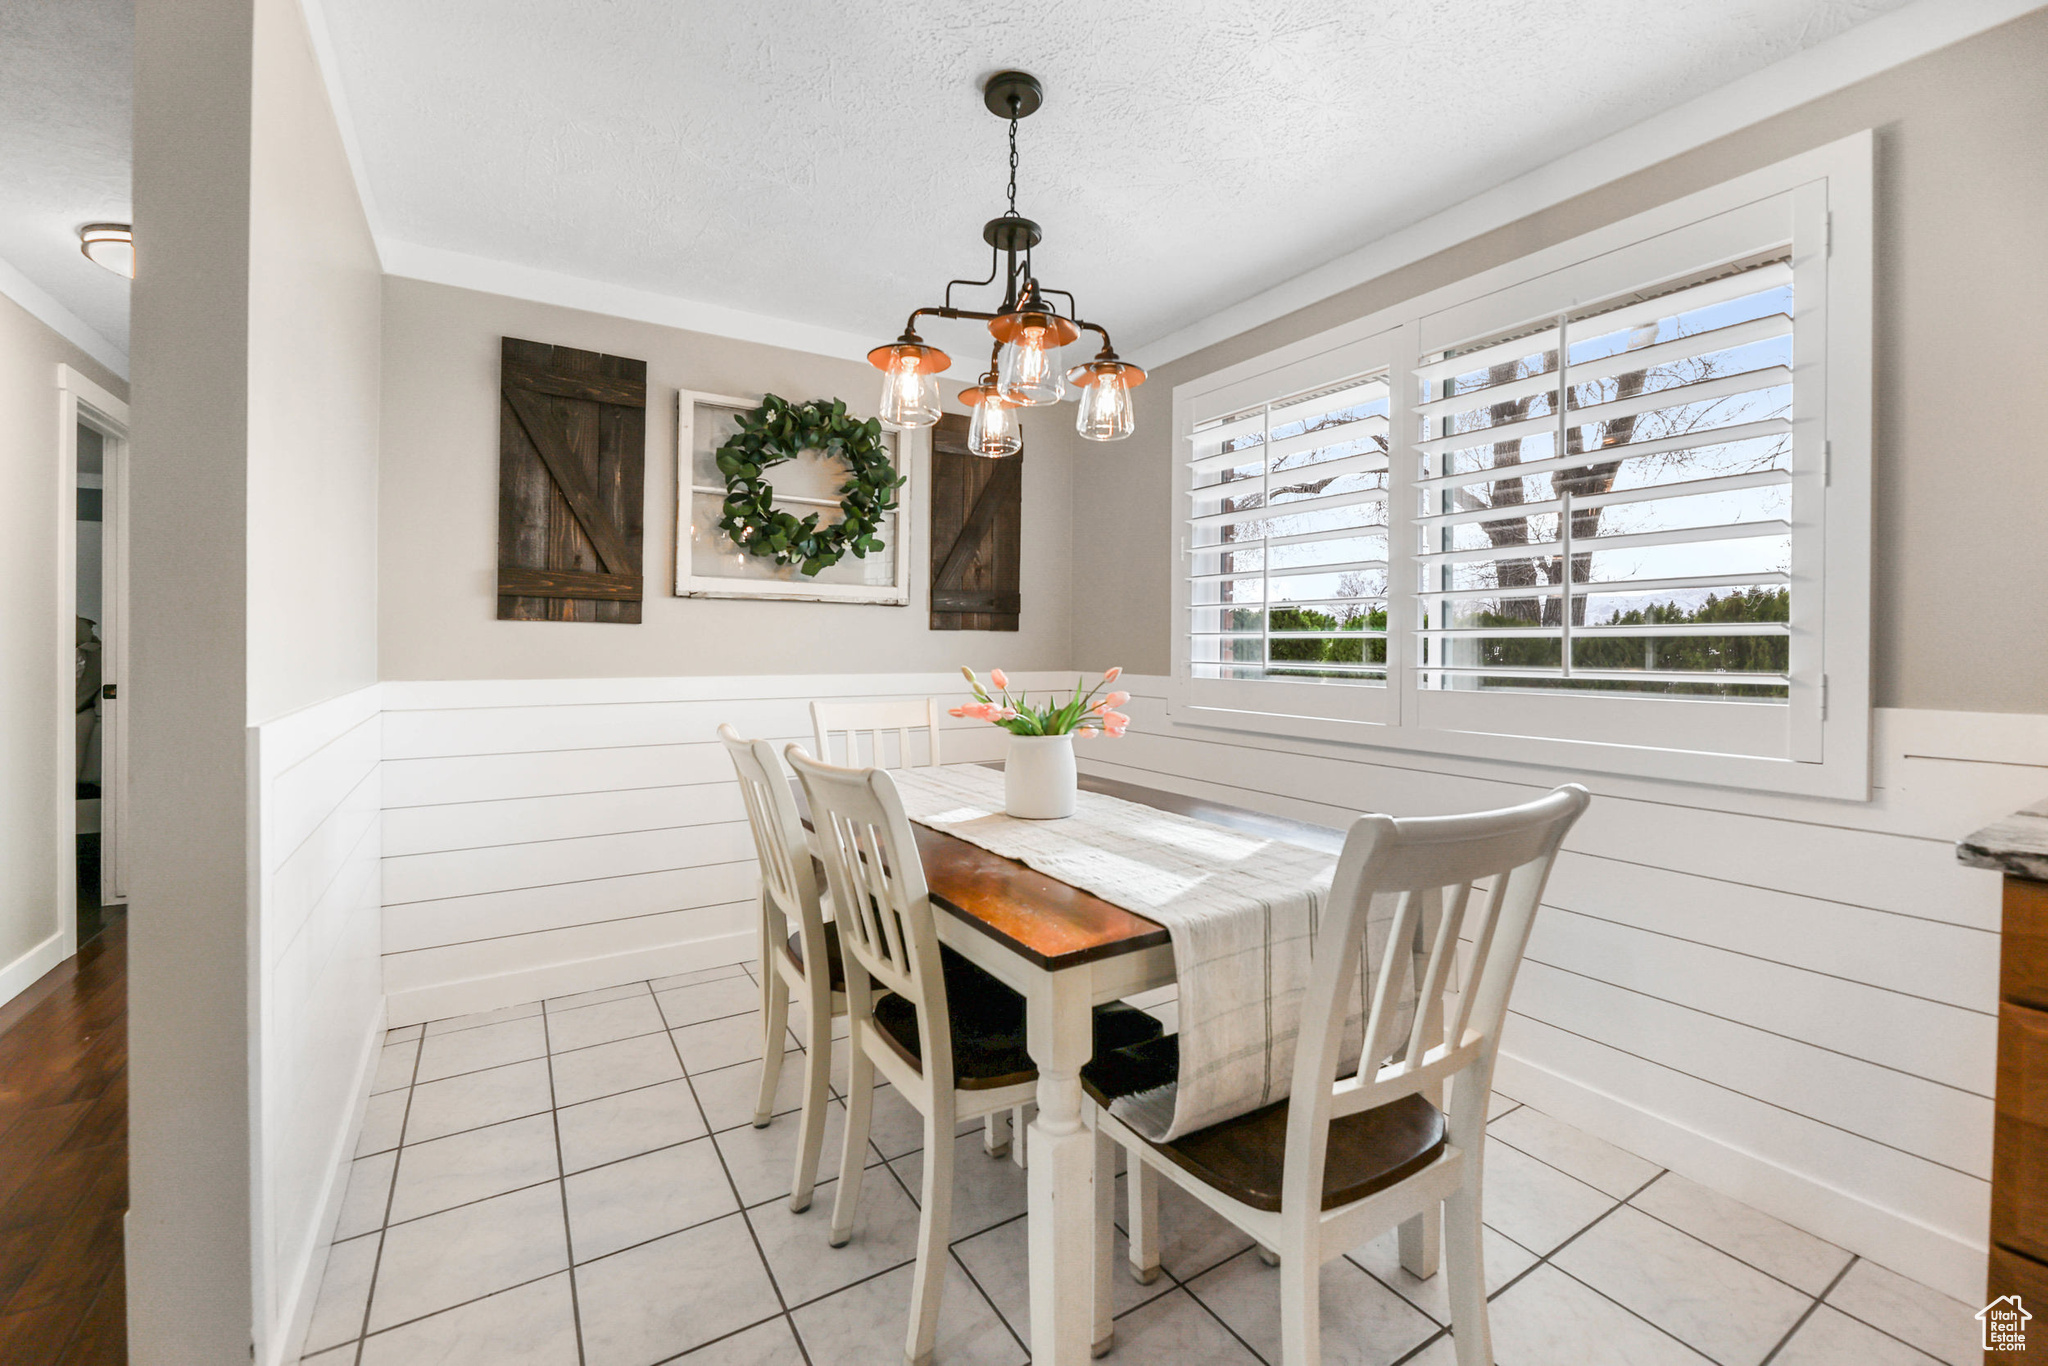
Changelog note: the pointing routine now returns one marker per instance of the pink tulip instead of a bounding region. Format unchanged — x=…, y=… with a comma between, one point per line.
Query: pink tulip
x=1114, y=729
x=1117, y=699
x=956, y=711
x=996, y=677
x=1004, y=714
x=1113, y=674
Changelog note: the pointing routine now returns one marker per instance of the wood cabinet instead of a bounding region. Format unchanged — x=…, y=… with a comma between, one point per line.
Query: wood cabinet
x=2019, y=1150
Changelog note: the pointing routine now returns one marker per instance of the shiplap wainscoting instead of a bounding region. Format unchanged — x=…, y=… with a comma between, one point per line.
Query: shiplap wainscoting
x=320, y=994
x=1789, y=999
x=551, y=836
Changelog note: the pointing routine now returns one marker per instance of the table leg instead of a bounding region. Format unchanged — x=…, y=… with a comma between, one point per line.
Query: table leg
x=1061, y=1171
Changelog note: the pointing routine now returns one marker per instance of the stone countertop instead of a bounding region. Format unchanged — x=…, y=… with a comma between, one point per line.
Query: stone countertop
x=2018, y=844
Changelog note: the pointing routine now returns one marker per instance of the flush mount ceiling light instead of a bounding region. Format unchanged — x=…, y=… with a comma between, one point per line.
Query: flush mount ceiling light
x=111, y=245
x=1025, y=370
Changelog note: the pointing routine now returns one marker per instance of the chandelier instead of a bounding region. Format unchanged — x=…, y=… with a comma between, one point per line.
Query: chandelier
x=1025, y=367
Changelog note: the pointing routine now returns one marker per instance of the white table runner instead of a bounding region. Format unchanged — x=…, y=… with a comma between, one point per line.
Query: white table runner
x=1241, y=908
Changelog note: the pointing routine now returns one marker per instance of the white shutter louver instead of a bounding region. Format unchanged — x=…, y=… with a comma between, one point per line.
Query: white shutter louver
x=1605, y=502
x=1286, y=539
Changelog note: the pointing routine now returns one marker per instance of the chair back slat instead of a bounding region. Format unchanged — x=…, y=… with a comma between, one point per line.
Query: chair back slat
x=1433, y=864
x=1383, y=1010
x=789, y=884
x=1443, y=952
x=878, y=889
x=1482, y=949
x=850, y=721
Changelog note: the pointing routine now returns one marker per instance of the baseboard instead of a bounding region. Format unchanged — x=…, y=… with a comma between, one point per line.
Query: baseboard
x=23, y=972
x=295, y=1310
x=1928, y=1255
x=444, y=999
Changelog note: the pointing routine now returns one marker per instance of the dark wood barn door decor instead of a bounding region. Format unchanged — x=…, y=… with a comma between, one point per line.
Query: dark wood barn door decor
x=977, y=525
x=572, y=469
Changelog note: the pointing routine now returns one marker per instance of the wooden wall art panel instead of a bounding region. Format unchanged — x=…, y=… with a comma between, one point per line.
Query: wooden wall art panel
x=572, y=469
x=977, y=528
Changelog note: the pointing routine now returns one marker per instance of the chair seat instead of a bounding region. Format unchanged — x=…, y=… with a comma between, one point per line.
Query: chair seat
x=835, y=961
x=1244, y=1157
x=988, y=1028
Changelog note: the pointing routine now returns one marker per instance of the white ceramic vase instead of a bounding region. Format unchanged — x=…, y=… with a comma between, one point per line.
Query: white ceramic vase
x=1039, y=777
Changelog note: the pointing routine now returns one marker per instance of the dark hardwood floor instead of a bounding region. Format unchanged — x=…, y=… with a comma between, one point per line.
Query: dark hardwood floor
x=64, y=1160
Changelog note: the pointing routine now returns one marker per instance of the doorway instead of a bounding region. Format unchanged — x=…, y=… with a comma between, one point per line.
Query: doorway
x=92, y=602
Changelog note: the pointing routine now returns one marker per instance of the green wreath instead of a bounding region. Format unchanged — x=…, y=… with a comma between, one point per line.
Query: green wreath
x=776, y=431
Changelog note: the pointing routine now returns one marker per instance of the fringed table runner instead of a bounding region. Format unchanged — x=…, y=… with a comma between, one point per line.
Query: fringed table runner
x=1242, y=911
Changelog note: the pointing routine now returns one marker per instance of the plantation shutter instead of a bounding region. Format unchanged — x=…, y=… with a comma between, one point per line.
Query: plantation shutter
x=1615, y=519
x=1285, y=544
x=572, y=449
x=1606, y=501
x=977, y=533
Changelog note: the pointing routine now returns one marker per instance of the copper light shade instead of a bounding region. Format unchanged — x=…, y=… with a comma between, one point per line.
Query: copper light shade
x=928, y=360
x=1010, y=327
x=910, y=394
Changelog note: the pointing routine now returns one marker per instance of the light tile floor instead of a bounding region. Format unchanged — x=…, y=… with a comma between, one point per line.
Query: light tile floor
x=576, y=1182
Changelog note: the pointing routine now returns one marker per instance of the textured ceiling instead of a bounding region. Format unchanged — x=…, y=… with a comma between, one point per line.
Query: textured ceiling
x=66, y=69
x=832, y=162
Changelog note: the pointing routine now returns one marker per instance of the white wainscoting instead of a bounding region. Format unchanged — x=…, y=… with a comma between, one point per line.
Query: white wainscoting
x=320, y=995
x=551, y=836
x=1789, y=999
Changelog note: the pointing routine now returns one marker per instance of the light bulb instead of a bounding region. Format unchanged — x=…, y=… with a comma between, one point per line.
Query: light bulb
x=1028, y=369
x=993, y=431
x=910, y=397
x=1105, y=412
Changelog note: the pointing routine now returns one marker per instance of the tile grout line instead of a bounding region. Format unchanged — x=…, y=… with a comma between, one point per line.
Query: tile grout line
x=739, y=1200
x=562, y=1190
x=1195, y=1295
x=419, y=1046
x=1811, y=1309
x=1543, y=1259
x=1743, y=1261
x=953, y=1255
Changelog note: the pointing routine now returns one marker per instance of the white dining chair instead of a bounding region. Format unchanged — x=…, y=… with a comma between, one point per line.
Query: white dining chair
x=906, y=718
x=1348, y=1157
x=800, y=953
x=947, y=1035
x=849, y=721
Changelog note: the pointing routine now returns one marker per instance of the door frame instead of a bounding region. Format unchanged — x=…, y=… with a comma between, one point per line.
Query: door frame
x=81, y=401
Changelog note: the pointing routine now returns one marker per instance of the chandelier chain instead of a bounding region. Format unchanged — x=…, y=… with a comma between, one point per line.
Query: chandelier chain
x=1013, y=166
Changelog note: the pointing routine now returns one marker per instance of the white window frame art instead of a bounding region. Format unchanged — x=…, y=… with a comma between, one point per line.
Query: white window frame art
x=1820, y=744
x=909, y=456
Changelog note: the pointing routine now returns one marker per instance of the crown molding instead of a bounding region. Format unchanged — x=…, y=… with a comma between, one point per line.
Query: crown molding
x=43, y=306
x=438, y=266
x=1864, y=51
x=322, y=38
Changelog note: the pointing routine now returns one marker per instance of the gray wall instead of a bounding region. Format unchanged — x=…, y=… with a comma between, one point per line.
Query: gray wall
x=30, y=715
x=315, y=299
x=440, y=509
x=255, y=370
x=1962, y=287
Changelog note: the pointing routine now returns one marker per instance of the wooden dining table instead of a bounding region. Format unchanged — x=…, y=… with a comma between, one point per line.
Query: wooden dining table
x=1066, y=951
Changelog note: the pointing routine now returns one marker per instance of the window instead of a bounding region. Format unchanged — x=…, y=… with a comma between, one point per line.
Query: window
x=1605, y=507
x=1287, y=544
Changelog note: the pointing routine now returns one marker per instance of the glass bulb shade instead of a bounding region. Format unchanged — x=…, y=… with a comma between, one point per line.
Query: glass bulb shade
x=993, y=430
x=1105, y=412
x=910, y=394
x=111, y=245
x=1028, y=370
